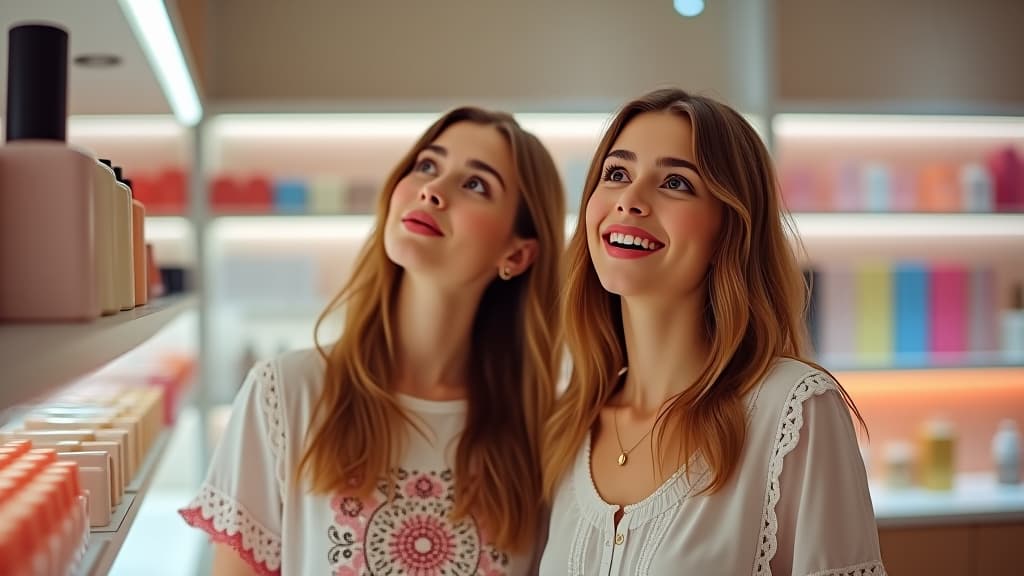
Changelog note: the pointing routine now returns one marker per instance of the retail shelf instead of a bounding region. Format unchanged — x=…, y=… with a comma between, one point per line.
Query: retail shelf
x=29, y=352
x=264, y=227
x=105, y=541
x=292, y=227
x=965, y=362
x=909, y=127
x=167, y=228
x=810, y=225
x=856, y=226
x=974, y=498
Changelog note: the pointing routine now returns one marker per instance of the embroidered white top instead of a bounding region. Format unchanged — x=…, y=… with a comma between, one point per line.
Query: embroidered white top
x=798, y=503
x=251, y=500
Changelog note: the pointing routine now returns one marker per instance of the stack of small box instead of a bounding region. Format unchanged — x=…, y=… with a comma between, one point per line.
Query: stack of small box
x=44, y=526
x=106, y=430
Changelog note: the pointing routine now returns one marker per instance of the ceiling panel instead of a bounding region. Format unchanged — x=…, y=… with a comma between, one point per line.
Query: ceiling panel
x=94, y=26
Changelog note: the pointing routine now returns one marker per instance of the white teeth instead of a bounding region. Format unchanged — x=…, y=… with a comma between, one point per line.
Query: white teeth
x=630, y=240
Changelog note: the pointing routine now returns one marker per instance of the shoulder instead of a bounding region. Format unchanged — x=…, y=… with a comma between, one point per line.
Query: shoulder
x=785, y=390
x=289, y=383
x=299, y=368
x=790, y=380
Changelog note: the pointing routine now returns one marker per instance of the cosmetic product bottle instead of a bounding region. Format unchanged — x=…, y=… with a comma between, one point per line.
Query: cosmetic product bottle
x=126, y=274
x=138, y=248
x=977, y=192
x=1013, y=327
x=899, y=465
x=47, y=241
x=106, y=193
x=938, y=455
x=1006, y=453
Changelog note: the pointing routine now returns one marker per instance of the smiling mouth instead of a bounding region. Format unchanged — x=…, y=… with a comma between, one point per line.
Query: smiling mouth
x=631, y=242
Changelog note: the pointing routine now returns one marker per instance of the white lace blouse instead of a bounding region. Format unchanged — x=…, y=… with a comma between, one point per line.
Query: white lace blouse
x=252, y=501
x=798, y=503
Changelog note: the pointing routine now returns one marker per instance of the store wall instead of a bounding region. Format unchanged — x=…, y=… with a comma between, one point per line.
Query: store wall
x=913, y=55
x=401, y=55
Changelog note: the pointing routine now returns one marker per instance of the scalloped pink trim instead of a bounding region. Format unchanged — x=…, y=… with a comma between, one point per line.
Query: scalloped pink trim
x=194, y=518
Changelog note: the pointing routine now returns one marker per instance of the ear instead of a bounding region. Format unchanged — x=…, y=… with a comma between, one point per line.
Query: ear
x=519, y=258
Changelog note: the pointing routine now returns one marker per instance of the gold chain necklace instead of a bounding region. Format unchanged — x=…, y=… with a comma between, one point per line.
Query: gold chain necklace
x=623, y=453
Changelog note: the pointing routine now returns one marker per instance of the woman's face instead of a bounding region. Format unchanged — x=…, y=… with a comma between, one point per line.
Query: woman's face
x=652, y=224
x=452, y=217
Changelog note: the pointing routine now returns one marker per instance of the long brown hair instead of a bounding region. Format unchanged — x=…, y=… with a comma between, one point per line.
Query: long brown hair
x=755, y=305
x=359, y=426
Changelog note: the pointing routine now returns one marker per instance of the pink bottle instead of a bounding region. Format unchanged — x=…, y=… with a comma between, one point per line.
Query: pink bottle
x=47, y=243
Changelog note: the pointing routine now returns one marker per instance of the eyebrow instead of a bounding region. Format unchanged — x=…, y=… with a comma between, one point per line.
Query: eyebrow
x=473, y=163
x=664, y=162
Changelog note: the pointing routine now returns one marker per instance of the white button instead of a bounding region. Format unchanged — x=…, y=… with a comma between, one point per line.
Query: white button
x=619, y=539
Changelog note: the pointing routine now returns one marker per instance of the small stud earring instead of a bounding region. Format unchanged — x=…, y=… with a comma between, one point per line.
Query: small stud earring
x=505, y=273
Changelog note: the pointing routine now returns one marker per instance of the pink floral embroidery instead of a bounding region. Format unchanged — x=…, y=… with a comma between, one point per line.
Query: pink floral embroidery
x=413, y=533
x=422, y=545
x=423, y=486
x=489, y=564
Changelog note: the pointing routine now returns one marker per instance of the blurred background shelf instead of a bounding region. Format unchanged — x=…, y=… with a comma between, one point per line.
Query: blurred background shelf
x=975, y=498
x=894, y=225
x=40, y=358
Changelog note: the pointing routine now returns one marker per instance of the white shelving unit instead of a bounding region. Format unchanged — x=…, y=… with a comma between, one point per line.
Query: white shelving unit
x=895, y=226
x=38, y=359
x=975, y=498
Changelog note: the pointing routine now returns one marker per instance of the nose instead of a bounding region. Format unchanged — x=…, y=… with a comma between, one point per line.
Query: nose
x=431, y=194
x=631, y=202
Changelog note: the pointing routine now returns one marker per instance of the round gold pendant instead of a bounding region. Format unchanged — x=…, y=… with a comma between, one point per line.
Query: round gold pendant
x=622, y=459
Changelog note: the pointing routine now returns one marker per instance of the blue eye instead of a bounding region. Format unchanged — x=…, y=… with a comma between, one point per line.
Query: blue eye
x=674, y=182
x=615, y=174
x=477, y=185
x=426, y=166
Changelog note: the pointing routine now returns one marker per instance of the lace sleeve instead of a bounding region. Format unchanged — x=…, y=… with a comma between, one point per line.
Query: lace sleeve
x=817, y=519
x=240, y=502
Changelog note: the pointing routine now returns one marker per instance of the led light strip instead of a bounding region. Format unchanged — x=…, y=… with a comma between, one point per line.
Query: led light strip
x=826, y=126
x=153, y=30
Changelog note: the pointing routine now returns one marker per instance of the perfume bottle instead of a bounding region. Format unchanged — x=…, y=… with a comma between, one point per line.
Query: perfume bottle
x=47, y=200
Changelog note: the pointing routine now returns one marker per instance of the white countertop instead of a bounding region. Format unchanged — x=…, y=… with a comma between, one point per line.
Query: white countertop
x=975, y=498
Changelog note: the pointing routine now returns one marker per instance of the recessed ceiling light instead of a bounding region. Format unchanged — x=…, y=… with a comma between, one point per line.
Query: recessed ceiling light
x=97, y=60
x=688, y=8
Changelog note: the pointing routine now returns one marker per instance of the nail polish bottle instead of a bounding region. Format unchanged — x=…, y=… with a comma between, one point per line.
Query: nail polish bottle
x=47, y=202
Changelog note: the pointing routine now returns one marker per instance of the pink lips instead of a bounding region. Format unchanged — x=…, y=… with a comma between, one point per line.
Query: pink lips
x=630, y=253
x=419, y=222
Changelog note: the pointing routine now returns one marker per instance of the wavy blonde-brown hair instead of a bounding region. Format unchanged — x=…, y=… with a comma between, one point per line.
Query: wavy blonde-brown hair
x=755, y=306
x=358, y=424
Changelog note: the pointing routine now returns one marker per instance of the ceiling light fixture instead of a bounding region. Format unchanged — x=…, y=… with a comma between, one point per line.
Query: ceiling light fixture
x=688, y=8
x=153, y=30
